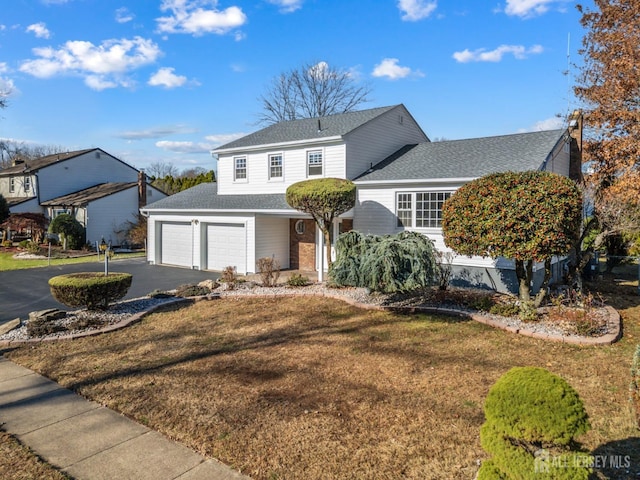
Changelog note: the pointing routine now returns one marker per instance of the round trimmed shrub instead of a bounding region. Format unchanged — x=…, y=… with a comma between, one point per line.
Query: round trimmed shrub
x=532, y=418
x=93, y=290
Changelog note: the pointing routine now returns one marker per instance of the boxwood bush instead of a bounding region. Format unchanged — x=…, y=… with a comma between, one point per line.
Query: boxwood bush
x=532, y=419
x=93, y=290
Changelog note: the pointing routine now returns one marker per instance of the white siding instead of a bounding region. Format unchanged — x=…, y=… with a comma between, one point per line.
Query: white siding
x=107, y=217
x=82, y=172
x=19, y=182
x=272, y=239
x=379, y=138
x=294, y=163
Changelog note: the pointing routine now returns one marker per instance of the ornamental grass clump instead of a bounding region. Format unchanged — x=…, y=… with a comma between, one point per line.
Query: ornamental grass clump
x=635, y=384
x=388, y=264
x=90, y=289
x=532, y=419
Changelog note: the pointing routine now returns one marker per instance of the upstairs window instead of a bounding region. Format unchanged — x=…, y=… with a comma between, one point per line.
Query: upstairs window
x=12, y=185
x=240, y=168
x=314, y=163
x=275, y=166
x=27, y=184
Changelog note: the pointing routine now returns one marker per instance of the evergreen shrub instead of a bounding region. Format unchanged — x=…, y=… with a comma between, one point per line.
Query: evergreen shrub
x=93, y=290
x=532, y=417
x=388, y=263
x=191, y=290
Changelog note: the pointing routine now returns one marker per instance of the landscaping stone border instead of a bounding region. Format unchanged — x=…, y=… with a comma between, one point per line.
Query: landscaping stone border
x=614, y=321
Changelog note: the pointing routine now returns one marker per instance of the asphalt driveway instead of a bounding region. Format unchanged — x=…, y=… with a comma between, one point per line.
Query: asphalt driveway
x=24, y=291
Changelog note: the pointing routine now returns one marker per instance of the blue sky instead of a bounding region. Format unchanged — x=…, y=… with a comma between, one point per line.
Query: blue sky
x=168, y=80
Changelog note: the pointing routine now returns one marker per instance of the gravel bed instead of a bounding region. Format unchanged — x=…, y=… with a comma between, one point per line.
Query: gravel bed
x=123, y=310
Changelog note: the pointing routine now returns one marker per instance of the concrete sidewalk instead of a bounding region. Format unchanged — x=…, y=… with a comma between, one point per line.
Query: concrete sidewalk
x=91, y=442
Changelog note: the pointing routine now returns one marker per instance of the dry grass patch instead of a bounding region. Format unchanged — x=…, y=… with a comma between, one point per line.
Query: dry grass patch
x=313, y=388
x=17, y=462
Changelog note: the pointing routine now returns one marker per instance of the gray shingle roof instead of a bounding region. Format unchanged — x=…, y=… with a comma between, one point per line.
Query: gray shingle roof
x=469, y=158
x=307, y=128
x=38, y=163
x=82, y=197
x=204, y=196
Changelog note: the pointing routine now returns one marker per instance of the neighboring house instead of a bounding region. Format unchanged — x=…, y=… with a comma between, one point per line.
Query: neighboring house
x=102, y=192
x=402, y=180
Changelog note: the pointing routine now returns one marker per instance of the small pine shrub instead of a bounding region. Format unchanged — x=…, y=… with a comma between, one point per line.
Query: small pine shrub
x=24, y=244
x=482, y=304
x=532, y=419
x=269, y=270
x=635, y=384
x=160, y=294
x=33, y=248
x=41, y=327
x=90, y=289
x=528, y=311
x=298, y=280
x=505, y=309
x=191, y=290
x=230, y=277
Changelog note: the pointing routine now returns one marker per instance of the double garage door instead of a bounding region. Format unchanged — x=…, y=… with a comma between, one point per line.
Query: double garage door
x=224, y=244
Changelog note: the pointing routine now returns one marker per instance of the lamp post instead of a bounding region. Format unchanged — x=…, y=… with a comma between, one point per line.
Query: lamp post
x=103, y=248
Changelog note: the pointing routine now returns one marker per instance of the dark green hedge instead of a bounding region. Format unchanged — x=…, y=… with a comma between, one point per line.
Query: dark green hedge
x=93, y=290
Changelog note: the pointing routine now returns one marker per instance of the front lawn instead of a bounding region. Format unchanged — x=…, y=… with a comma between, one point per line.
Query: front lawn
x=8, y=262
x=313, y=388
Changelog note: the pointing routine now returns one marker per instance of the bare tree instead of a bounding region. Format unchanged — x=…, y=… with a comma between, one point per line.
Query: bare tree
x=12, y=150
x=311, y=90
x=161, y=170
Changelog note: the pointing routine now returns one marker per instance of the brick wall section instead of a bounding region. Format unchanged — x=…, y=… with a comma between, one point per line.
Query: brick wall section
x=302, y=249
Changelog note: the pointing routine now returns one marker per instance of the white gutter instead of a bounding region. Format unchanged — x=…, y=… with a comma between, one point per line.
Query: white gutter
x=413, y=180
x=272, y=146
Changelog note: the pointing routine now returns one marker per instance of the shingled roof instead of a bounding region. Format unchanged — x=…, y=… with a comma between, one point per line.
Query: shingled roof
x=38, y=163
x=307, y=129
x=83, y=197
x=469, y=158
x=204, y=196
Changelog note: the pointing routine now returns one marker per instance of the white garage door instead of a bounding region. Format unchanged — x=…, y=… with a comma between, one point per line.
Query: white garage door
x=176, y=244
x=226, y=245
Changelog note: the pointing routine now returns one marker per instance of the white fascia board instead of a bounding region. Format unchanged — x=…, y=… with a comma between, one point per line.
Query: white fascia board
x=391, y=183
x=273, y=146
x=161, y=211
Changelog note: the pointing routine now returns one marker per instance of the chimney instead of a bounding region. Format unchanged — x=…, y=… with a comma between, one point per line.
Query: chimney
x=142, y=188
x=575, y=131
x=17, y=161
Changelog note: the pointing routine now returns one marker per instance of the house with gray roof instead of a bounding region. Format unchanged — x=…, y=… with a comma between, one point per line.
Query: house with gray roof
x=101, y=191
x=402, y=180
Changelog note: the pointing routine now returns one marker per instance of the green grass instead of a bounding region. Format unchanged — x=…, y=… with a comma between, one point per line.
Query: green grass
x=7, y=262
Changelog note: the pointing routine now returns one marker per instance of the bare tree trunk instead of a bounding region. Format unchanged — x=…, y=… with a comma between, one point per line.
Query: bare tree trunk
x=524, y=279
x=542, y=293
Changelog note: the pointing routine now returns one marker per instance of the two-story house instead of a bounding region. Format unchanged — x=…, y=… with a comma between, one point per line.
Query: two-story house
x=402, y=181
x=101, y=191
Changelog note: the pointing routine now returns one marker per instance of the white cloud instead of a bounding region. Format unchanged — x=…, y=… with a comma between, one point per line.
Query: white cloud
x=482, y=55
x=390, y=69
x=414, y=10
x=529, y=8
x=157, y=132
x=123, y=15
x=552, y=123
x=184, y=147
x=39, y=30
x=222, y=138
x=165, y=77
x=287, y=6
x=189, y=16
x=102, y=66
x=3, y=67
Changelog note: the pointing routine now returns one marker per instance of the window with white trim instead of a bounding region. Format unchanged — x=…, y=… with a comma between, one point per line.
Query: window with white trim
x=404, y=209
x=27, y=184
x=275, y=166
x=314, y=163
x=420, y=209
x=240, y=168
x=12, y=185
